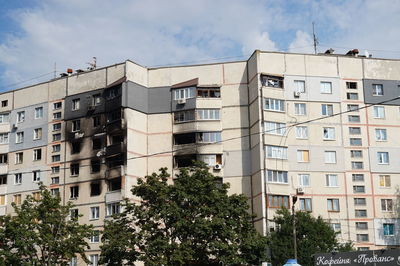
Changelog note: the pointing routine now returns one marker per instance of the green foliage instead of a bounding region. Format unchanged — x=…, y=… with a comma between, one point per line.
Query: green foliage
x=41, y=233
x=190, y=222
x=314, y=235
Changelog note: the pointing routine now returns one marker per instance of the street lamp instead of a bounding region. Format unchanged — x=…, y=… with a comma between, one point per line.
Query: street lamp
x=294, y=200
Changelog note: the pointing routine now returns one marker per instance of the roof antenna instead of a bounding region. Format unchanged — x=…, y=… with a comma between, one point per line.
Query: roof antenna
x=55, y=69
x=314, y=38
x=92, y=66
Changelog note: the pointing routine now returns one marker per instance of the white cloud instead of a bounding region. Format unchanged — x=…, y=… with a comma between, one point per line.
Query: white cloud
x=302, y=43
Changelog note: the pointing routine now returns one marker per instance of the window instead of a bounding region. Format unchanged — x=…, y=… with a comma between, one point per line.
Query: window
x=305, y=205
x=36, y=176
x=332, y=180
x=272, y=81
x=327, y=109
x=361, y=225
x=387, y=205
x=274, y=176
x=384, y=181
x=3, y=158
x=4, y=118
x=276, y=152
x=56, y=136
x=352, y=96
x=326, y=87
x=95, y=166
x=299, y=86
x=302, y=132
x=74, y=213
x=20, y=116
x=184, y=93
x=380, y=134
x=278, y=201
x=74, y=192
x=362, y=238
x=57, y=105
x=56, y=148
x=19, y=157
x=95, y=237
x=17, y=199
x=75, y=147
x=303, y=156
x=377, y=89
x=95, y=189
x=274, y=105
x=354, y=118
x=76, y=104
x=333, y=205
x=57, y=127
x=56, y=158
x=17, y=179
x=355, y=141
x=38, y=112
x=74, y=169
x=94, y=213
x=94, y=260
x=2, y=199
x=112, y=93
x=357, y=177
x=388, y=229
x=275, y=128
x=55, y=169
x=351, y=85
x=211, y=159
x=379, y=112
x=360, y=213
x=209, y=92
x=209, y=137
x=55, y=192
x=189, y=115
x=3, y=138
x=4, y=103
x=57, y=115
x=3, y=179
x=114, y=184
x=358, y=189
x=20, y=137
x=37, y=154
x=382, y=157
x=73, y=261
x=37, y=134
x=354, y=130
x=330, y=156
x=356, y=154
x=76, y=125
x=113, y=208
x=304, y=180
x=353, y=107
x=96, y=143
x=300, y=109
x=55, y=180
x=336, y=227
x=357, y=165
x=96, y=99
x=96, y=121
x=207, y=114
x=329, y=133
x=360, y=201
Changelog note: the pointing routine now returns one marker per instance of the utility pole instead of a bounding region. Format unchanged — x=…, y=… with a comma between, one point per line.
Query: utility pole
x=314, y=39
x=294, y=200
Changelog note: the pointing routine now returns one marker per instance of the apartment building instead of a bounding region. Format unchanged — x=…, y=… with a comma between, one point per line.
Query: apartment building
x=319, y=127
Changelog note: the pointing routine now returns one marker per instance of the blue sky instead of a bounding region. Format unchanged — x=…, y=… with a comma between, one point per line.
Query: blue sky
x=34, y=35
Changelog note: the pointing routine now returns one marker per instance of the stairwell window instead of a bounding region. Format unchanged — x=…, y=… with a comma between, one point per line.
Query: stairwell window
x=357, y=165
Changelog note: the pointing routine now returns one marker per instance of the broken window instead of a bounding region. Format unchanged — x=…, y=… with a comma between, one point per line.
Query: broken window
x=75, y=147
x=272, y=81
x=95, y=166
x=184, y=160
x=114, y=184
x=208, y=92
x=95, y=189
x=97, y=143
x=185, y=138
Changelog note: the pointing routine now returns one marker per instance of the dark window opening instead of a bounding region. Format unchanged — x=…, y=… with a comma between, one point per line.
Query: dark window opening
x=96, y=121
x=4, y=103
x=117, y=139
x=113, y=116
x=209, y=92
x=74, y=169
x=95, y=166
x=115, y=184
x=95, y=189
x=186, y=138
x=74, y=213
x=184, y=160
x=272, y=81
x=3, y=158
x=111, y=93
x=97, y=143
x=75, y=147
x=351, y=85
x=3, y=179
x=115, y=161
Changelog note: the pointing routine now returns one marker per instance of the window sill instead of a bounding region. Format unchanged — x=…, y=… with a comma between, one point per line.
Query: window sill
x=276, y=111
x=94, y=219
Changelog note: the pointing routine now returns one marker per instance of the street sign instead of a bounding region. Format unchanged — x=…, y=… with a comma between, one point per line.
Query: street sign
x=390, y=257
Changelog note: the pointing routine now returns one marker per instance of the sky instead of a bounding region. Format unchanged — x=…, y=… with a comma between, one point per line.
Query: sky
x=38, y=37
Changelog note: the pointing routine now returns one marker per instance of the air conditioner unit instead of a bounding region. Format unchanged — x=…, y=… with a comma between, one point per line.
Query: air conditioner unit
x=297, y=94
x=217, y=167
x=181, y=101
x=300, y=190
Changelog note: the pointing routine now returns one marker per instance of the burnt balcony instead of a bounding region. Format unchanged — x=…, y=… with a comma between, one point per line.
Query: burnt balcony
x=115, y=126
x=115, y=149
x=77, y=135
x=114, y=172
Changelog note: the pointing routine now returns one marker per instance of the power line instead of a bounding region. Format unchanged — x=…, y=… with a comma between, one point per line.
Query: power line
x=23, y=81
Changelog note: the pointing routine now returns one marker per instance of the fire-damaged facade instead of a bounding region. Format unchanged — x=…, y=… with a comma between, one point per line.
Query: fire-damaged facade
x=273, y=126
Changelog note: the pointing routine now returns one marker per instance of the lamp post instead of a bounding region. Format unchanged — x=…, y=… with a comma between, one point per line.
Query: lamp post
x=294, y=200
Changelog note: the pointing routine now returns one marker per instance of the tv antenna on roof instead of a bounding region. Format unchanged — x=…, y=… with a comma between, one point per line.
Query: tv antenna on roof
x=92, y=66
x=315, y=40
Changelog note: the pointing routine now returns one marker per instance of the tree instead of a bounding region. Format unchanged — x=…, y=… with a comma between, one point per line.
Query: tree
x=314, y=235
x=41, y=233
x=190, y=222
